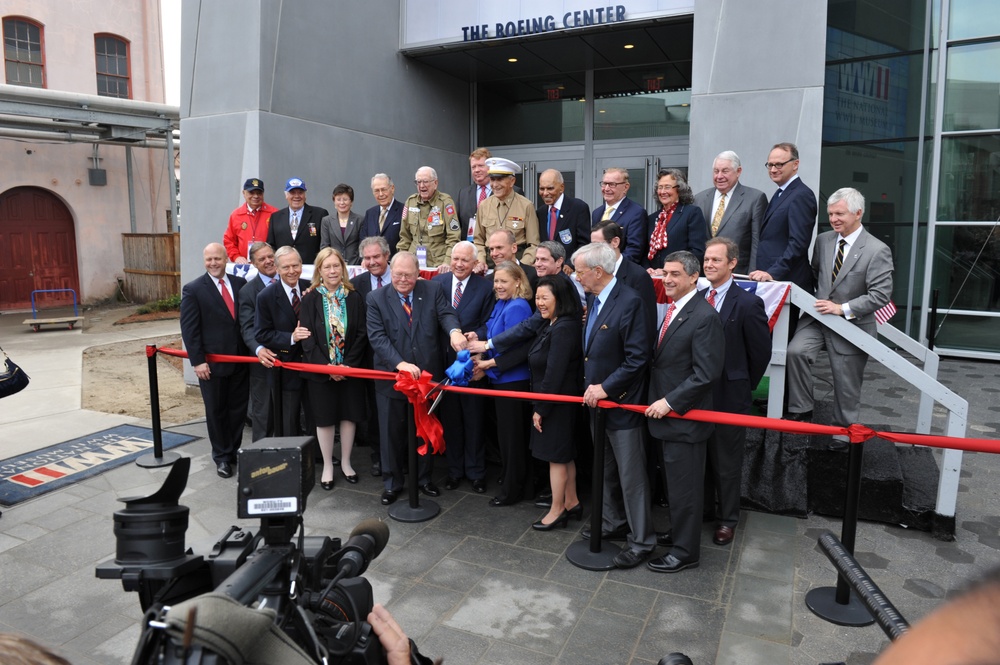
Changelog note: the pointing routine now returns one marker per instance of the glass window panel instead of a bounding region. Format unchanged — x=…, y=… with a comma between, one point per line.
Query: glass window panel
x=974, y=333
x=643, y=115
x=966, y=267
x=876, y=99
x=548, y=110
x=968, y=19
x=970, y=179
x=972, y=91
x=898, y=25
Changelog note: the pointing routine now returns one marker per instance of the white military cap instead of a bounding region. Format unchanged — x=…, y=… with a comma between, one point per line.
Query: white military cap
x=501, y=166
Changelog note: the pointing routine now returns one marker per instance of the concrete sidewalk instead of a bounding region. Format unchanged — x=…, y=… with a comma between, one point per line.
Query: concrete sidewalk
x=477, y=584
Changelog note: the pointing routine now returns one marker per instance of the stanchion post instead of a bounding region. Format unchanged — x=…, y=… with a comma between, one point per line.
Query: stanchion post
x=595, y=555
x=157, y=458
x=837, y=604
x=276, y=405
x=413, y=510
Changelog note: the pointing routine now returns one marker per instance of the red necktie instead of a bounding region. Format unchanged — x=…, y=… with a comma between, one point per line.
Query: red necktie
x=295, y=302
x=711, y=297
x=482, y=195
x=228, y=299
x=666, y=322
x=553, y=218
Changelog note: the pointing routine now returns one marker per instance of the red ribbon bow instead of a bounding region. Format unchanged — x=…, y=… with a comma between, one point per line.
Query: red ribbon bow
x=429, y=428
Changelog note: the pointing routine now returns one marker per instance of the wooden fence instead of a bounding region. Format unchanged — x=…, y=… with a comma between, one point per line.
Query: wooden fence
x=152, y=265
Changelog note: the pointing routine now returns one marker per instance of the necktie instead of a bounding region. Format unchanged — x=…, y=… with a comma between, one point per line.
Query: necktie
x=717, y=219
x=381, y=220
x=295, y=224
x=379, y=285
x=295, y=302
x=228, y=299
x=482, y=194
x=711, y=297
x=838, y=263
x=591, y=318
x=666, y=322
x=458, y=295
x=553, y=219
x=608, y=211
x=408, y=310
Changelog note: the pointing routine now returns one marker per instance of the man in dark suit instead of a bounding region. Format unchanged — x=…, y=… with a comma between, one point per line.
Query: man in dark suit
x=470, y=196
x=261, y=416
x=615, y=351
x=853, y=272
x=276, y=327
x=209, y=325
x=788, y=223
x=687, y=360
x=384, y=218
x=375, y=256
x=748, y=352
x=471, y=296
x=631, y=274
x=406, y=325
x=626, y=213
x=502, y=247
x=561, y=218
x=733, y=210
x=299, y=224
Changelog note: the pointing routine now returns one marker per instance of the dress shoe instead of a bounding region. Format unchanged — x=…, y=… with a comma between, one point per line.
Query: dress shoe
x=430, y=489
x=804, y=417
x=451, y=483
x=558, y=522
x=628, y=558
x=723, y=535
x=336, y=461
x=576, y=512
x=668, y=563
x=497, y=502
x=388, y=497
x=224, y=470
x=352, y=479
x=665, y=539
x=543, y=501
x=479, y=486
x=376, y=469
x=621, y=533
x=326, y=484
x=675, y=658
x=499, y=480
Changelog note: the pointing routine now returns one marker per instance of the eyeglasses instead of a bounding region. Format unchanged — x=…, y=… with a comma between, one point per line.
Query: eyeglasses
x=610, y=184
x=418, y=183
x=666, y=188
x=777, y=165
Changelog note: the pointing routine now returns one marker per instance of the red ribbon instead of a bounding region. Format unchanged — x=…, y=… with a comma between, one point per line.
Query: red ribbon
x=429, y=428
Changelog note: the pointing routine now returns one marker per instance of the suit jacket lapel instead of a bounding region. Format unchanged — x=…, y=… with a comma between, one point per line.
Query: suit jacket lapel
x=849, y=259
x=730, y=302
x=677, y=321
x=735, y=199
x=602, y=315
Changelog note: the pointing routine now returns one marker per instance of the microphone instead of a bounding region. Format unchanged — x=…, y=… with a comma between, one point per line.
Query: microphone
x=365, y=543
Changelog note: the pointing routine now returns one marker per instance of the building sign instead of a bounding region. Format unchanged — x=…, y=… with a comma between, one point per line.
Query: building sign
x=437, y=22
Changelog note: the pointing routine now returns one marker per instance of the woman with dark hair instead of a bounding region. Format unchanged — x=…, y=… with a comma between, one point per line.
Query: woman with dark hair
x=508, y=371
x=342, y=230
x=678, y=225
x=556, y=361
x=335, y=315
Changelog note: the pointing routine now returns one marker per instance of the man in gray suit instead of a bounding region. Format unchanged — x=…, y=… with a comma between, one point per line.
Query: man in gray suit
x=853, y=273
x=261, y=418
x=733, y=210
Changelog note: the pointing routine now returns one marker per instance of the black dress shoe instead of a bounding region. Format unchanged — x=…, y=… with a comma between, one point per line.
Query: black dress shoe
x=496, y=502
x=224, y=470
x=336, y=461
x=576, y=512
x=376, y=469
x=543, y=501
x=430, y=489
x=451, y=483
x=723, y=535
x=479, y=486
x=326, y=484
x=388, y=496
x=628, y=558
x=804, y=417
x=621, y=533
x=665, y=539
x=668, y=563
x=352, y=479
x=556, y=523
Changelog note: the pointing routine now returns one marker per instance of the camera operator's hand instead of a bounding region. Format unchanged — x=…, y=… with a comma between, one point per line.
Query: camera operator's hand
x=393, y=639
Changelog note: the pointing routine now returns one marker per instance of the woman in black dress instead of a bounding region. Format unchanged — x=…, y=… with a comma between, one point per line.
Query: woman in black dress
x=555, y=359
x=335, y=315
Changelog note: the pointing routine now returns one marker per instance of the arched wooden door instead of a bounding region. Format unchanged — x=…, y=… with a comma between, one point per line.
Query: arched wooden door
x=37, y=248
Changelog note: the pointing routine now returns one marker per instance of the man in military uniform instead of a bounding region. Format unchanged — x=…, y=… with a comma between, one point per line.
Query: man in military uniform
x=505, y=209
x=429, y=221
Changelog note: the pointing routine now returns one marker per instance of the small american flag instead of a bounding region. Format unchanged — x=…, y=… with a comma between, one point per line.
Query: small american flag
x=884, y=314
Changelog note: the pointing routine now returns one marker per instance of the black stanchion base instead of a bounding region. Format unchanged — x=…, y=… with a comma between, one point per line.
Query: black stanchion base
x=823, y=603
x=579, y=555
x=404, y=512
x=151, y=461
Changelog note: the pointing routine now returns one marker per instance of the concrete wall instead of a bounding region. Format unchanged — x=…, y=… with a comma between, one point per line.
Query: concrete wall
x=757, y=79
x=309, y=89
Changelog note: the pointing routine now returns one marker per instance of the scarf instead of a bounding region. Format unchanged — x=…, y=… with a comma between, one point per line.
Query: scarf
x=658, y=240
x=335, y=315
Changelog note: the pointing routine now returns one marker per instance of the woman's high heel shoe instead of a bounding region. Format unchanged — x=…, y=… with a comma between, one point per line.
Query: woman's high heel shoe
x=326, y=484
x=576, y=512
x=558, y=522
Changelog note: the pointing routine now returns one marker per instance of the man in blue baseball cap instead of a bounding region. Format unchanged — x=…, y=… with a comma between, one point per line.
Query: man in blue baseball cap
x=298, y=225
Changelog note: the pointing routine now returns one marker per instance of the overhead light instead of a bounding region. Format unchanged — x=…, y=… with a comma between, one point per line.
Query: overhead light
x=602, y=111
x=630, y=46
x=511, y=59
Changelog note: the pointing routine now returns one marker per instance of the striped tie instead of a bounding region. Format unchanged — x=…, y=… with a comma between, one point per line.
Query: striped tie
x=458, y=295
x=838, y=263
x=295, y=302
x=408, y=310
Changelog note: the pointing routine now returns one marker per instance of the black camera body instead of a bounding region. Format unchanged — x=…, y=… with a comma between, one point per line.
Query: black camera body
x=313, y=584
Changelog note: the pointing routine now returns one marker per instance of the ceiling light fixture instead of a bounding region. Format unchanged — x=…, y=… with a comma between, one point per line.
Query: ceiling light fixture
x=511, y=59
x=630, y=46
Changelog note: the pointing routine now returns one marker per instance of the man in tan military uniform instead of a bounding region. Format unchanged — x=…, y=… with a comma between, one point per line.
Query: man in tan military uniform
x=505, y=209
x=430, y=221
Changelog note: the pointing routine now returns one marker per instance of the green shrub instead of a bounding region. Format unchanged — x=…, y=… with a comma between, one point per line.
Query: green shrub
x=173, y=303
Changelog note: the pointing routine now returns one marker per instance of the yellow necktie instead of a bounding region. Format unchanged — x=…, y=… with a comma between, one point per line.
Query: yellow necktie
x=717, y=219
x=381, y=220
x=608, y=211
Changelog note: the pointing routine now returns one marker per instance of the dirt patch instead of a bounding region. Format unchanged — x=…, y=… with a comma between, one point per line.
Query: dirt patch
x=150, y=316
